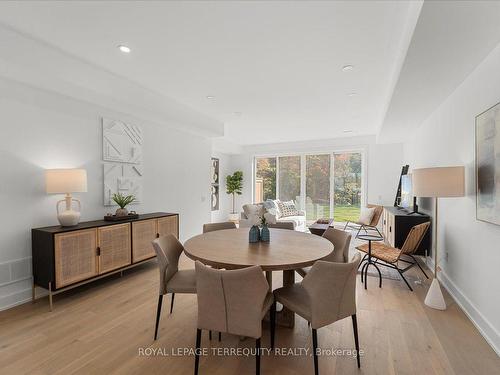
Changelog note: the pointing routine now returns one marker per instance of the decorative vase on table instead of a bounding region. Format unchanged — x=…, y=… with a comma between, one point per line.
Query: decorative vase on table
x=121, y=212
x=265, y=236
x=254, y=234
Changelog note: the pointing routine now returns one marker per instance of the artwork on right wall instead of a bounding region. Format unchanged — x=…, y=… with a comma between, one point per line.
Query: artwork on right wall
x=488, y=165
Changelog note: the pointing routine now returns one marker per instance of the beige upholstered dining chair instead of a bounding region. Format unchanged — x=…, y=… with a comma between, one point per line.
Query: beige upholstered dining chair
x=168, y=250
x=327, y=294
x=218, y=226
x=282, y=225
x=212, y=227
x=235, y=302
x=390, y=256
x=341, y=241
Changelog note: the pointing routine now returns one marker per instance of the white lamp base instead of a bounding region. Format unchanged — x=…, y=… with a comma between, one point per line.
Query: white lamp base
x=69, y=218
x=435, y=297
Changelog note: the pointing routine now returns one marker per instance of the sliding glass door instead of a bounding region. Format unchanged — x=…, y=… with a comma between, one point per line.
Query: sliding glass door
x=289, y=178
x=265, y=179
x=347, y=186
x=324, y=185
x=317, y=187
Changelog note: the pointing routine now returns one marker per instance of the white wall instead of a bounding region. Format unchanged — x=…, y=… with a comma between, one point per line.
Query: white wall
x=383, y=163
x=446, y=138
x=44, y=130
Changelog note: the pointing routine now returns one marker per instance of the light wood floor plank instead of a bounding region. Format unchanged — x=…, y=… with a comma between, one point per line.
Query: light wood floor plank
x=99, y=329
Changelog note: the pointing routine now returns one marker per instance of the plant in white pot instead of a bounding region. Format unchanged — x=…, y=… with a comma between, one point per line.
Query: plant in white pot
x=234, y=185
x=122, y=201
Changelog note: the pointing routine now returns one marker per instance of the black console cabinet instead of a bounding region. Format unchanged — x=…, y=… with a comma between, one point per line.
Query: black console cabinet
x=397, y=224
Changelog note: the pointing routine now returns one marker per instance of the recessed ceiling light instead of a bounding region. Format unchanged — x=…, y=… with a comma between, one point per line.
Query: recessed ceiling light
x=210, y=97
x=346, y=68
x=124, y=49
x=347, y=131
x=352, y=94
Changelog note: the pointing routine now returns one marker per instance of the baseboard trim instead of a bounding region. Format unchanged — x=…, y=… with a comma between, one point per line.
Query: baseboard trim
x=485, y=328
x=22, y=296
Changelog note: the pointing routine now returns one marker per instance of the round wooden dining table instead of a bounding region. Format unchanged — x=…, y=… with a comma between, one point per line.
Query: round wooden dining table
x=287, y=251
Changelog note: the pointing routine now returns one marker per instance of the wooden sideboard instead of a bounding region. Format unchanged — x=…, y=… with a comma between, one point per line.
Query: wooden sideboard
x=66, y=257
x=397, y=224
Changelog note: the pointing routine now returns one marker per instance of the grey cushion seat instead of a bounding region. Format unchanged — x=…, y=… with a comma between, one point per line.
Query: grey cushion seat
x=296, y=298
x=182, y=282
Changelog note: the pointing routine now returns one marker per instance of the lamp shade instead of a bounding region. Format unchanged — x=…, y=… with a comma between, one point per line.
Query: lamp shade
x=439, y=182
x=61, y=181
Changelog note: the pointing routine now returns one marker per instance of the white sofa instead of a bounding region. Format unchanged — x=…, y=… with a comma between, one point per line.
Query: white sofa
x=252, y=212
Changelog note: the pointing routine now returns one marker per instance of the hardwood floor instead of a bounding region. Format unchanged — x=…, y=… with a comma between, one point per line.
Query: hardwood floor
x=102, y=327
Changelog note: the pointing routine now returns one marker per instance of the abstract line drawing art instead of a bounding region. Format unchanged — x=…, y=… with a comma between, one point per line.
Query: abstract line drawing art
x=121, y=142
x=124, y=179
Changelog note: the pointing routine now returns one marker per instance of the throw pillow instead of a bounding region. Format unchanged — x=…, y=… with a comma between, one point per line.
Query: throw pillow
x=366, y=215
x=288, y=209
x=272, y=207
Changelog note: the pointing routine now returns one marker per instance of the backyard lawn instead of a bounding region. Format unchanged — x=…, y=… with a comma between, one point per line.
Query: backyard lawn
x=344, y=213
x=341, y=213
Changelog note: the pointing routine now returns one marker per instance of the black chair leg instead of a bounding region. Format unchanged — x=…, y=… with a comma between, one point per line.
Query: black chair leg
x=315, y=347
x=158, y=313
x=346, y=224
x=272, y=317
x=220, y=336
x=172, y=303
x=419, y=266
x=362, y=260
x=356, y=340
x=210, y=335
x=197, y=352
x=406, y=281
x=257, y=356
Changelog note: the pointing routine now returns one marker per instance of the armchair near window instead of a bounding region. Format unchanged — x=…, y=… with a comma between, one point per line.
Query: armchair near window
x=367, y=226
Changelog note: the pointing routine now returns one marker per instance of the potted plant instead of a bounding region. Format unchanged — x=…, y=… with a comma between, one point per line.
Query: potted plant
x=234, y=185
x=122, y=201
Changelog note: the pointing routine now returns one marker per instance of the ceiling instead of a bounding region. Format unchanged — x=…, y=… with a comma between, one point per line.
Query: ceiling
x=274, y=68
x=451, y=38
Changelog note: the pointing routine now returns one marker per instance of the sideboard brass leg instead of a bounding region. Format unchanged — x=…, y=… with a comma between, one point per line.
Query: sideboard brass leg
x=50, y=296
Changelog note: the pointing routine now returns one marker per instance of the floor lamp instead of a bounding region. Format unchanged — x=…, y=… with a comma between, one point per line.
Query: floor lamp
x=439, y=182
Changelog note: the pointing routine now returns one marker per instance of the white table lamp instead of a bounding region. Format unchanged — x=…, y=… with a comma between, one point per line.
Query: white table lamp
x=437, y=183
x=67, y=181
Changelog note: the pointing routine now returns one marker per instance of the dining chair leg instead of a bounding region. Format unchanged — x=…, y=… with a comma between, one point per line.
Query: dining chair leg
x=356, y=339
x=257, y=356
x=273, y=323
x=220, y=336
x=315, y=347
x=172, y=303
x=197, y=351
x=210, y=335
x=346, y=224
x=158, y=313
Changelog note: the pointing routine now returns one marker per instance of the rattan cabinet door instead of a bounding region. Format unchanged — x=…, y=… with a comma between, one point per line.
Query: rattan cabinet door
x=143, y=233
x=75, y=256
x=114, y=245
x=168, y=225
